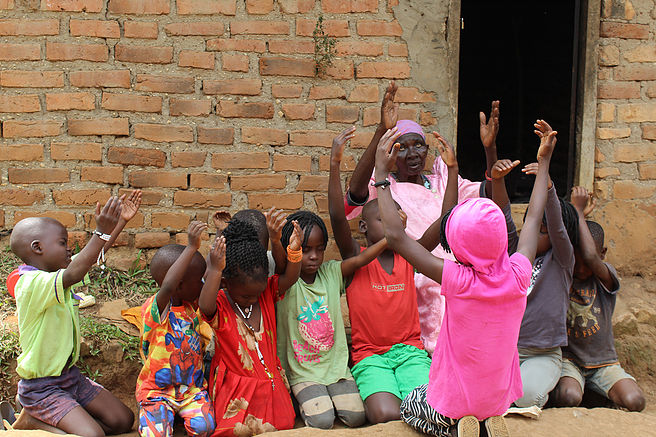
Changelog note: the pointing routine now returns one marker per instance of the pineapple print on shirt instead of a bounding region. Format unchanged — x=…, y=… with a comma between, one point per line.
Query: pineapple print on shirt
x=315, y=327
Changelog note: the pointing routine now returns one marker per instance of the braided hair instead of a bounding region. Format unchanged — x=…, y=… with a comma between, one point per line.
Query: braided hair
x=597, y=233
x=307, y=221
x=570, y=220
x=443, y=242
x=244, y=253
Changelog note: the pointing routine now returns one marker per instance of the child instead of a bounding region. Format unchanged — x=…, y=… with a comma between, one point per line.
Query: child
x=388, y=354
x=171, y=381
x=249, y=392
x=543, y=330
x=590, y=356
x=52, y=390
x=475, y=371
x=311, y=337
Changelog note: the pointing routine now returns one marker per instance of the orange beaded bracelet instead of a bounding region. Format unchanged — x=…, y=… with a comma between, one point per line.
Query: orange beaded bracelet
x=294, y=256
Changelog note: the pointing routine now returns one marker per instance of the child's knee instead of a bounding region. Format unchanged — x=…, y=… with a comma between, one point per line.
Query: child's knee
x=201, y=426
x=352, y=419
x=634, y=401
x=568, y=397
x=120, y=422
x=532, y=396
x=323, y=420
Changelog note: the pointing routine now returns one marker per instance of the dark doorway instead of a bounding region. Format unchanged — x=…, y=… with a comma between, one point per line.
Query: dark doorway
x=525, y=54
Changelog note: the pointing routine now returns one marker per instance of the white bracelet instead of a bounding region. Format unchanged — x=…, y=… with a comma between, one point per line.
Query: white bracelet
x=102, y=236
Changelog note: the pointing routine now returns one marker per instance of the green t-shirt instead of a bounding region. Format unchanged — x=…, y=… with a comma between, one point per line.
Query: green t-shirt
x=311, y=338
x=48, y=323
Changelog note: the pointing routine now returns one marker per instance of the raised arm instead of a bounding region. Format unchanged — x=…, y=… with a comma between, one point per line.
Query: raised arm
x=350, y=265
x=347, y=246
x=106, y=220
x=397, y=239
x=388, y=117
x=129, y=207
x=216, y=262
x=500, y=196
x=488, y=130
x=587, y=246
x=528, y=239
x=177, y=270
x=275, y=220
x=295, y=256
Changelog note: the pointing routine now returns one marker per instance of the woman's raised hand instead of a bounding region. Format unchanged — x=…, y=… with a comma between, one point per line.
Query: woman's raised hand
x=389, y=111
x=387, y=151
x=447, y=152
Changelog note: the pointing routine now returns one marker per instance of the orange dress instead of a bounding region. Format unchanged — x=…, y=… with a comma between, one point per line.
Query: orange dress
x=250, y=393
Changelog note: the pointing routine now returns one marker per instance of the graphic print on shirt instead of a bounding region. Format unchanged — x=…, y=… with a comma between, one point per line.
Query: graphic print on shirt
x=581, y=318
x=316, y=326
x=534, y=274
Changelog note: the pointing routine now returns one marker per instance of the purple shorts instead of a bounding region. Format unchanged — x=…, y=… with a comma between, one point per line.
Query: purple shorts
x=51, y=398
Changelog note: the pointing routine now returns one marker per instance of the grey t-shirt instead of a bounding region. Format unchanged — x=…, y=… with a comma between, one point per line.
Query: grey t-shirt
x=589, y=322
x=543, y=325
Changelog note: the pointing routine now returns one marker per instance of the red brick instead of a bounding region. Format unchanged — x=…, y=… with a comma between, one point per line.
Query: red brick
x=340, y=69
x=230, y=109
x=287, y=67
x=190, y=107
x=34, y=128
x=204, y=28
x=236, y=45
x=95, y=28
x=215, y=135
x=647, y=171
x=24, y=27
x=131, y=102
x=371, y=116
x=298, y=111
x=199, y=199
x=37, y=175
x=636, y=112
x=649, y=131
x=348, y=163
x=288, y=201
x=336, y=28
x=364, y=93
x=312, y=183
x=140, y=29
x=100, y=79
x=635, y=152
x=72, y=5
x=286, y=91
x=163, y=133
x=148, y=197
x=206, y=7
x=208, y=180
x=136, y=156
x=65, y=218
x=342, y=114
x=245, y=87
x=318, y=138
x=20, y=52
x=140, y=7
x=387, y=70
x=20, y=197
x=632, y=190
x=194, y=59
x=263, y=135
x=359, y=48
x=104, y=174
x=259, y=7
x=361, y=139
x=21, y=103
x=143, y=54
x=295, y=163
x=188, y=159
x=290, y=46
x=347, y=6
x=165, y=84
x=136, y=222
x=259, y=27
x=379, y=28
x=21, y=152
x=76, y=52
x=147, y=240
x=31, y=79
x=68, y=101
x=611, y=29
x=158, y=178
x=398, y=50
x=635, y=72
x=7, y=4
x=412, y=95
x=258, y=182
x=426, y=118
x=296, y=6
x=318, y=92
x=235, y=62
x=618, y=90
x=76, y=151
x=99, y=126
x=240, y=160
x=173, y=220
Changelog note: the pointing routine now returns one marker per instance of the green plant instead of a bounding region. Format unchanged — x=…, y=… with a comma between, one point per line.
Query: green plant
x=134, y=285
x=9, y=350
x=324, y=48
x=97, y=334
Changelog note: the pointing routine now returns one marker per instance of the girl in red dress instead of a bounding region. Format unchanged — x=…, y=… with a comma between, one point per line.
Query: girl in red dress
x=249, y=391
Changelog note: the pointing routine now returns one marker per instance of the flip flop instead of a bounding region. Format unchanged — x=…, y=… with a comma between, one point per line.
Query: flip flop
x=7, y=412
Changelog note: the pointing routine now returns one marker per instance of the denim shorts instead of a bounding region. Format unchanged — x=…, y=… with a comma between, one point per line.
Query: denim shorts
x=599, y=379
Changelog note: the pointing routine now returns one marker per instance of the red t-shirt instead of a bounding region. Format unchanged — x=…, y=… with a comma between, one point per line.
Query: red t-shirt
x=383, y=308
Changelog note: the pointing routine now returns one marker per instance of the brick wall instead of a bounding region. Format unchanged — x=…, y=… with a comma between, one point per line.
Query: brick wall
x=203, y=104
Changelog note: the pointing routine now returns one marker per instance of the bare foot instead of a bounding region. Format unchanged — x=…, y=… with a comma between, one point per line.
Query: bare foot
x=25, y=421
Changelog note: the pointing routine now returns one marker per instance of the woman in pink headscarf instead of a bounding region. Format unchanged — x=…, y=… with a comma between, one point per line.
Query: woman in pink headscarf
x=419, y=195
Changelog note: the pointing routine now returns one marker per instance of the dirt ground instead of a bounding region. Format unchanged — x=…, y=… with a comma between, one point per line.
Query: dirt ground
x=635, y=332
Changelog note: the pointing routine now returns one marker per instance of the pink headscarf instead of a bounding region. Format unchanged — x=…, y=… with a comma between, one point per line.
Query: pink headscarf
x=409, y=127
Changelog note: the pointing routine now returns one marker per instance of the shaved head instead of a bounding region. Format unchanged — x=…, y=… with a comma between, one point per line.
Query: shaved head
x=167, y=255
x=28, y=230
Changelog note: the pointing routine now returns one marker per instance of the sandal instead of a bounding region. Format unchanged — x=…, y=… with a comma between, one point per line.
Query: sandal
x=8, y=415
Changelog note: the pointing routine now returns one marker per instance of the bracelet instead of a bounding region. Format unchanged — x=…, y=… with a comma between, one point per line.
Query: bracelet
x=104, y=237
x=294, y=256
x=487, y=177
x=382, y=184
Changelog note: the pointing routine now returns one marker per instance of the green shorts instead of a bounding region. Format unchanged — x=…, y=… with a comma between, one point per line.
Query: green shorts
x=398, y=371
x=600, y=379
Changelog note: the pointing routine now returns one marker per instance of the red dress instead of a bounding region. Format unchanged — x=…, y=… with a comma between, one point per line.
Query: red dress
x=249, y=397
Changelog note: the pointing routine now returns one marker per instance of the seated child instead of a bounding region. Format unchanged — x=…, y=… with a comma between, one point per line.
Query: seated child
x=249, y=392
x=52, y=391
x=388, y=354
x=311, y=337
x=171, y=381
x=590, y=358
x=475, y=370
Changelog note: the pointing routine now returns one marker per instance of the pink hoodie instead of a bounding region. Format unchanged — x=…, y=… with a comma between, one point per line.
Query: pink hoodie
x=475, y=368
